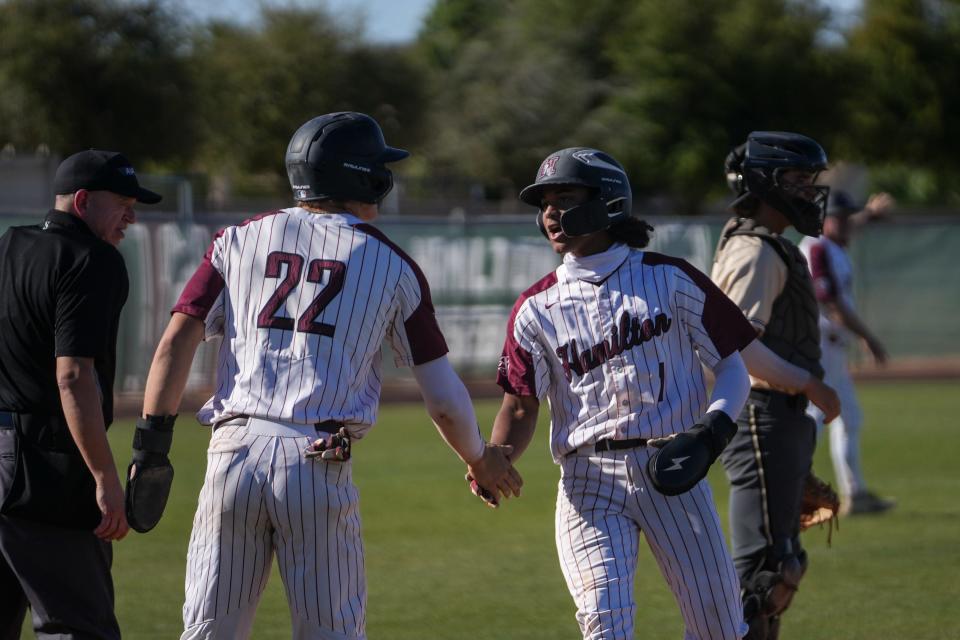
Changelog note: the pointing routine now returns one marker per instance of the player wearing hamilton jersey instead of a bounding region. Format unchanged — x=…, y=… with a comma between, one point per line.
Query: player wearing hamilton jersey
x=615, y=339
x=281, y=359
x=303, y=298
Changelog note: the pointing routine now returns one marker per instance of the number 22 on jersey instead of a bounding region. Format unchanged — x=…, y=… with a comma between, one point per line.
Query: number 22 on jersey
x=307, y=322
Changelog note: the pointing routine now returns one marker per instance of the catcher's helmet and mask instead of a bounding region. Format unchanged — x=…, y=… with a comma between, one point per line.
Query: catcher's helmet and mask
x=755, y=170
x=341, y=156
x=611, y=199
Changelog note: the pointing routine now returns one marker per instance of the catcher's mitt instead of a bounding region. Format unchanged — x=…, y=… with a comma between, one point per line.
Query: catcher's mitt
x=820, y=504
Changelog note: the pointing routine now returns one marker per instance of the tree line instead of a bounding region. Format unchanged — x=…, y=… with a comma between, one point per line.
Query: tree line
x=489, y=87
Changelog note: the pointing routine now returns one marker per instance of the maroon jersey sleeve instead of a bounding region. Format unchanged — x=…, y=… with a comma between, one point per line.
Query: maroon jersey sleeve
x=423, y=332
x=824, y=283
x=517, y=371
x=202, y=289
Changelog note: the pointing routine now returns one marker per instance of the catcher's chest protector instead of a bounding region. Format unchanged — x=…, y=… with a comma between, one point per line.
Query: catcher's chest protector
x=793, y=332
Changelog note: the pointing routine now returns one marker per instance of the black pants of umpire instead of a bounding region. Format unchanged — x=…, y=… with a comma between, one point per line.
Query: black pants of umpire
x=64, y=577
x=767, y=463
x=62, y=574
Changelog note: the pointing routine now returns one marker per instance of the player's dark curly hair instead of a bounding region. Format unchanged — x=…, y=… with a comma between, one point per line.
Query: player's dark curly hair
x=633, y=232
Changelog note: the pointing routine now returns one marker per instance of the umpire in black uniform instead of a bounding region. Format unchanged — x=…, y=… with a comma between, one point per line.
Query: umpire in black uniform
x=774, y=177
x=62, y=286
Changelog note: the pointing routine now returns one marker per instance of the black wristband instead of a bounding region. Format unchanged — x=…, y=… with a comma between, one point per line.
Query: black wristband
x=719, y=428
x=157, y=423
x=154, y=434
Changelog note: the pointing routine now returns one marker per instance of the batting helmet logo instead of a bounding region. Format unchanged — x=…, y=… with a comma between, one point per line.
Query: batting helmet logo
x=548, y=168
x=585, y=156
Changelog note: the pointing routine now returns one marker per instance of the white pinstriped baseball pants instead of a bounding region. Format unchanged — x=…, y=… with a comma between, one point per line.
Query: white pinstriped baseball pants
x=604, y=501
x=845, y=429
x=260, y=497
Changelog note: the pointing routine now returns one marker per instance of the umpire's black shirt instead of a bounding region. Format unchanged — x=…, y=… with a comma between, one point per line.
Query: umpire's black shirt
x=61, y=292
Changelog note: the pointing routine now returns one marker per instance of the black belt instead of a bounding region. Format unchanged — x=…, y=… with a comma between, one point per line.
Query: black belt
x=6, y=420
x=329, y=426
x=770, y=398
x=325, y=426
x=616, y=445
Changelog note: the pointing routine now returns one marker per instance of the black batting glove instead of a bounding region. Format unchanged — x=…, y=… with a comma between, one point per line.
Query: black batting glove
x=150, y=474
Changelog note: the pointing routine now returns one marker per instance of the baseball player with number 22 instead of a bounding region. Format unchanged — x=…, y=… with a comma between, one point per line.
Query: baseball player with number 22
x=303, y=298
x=615, y=338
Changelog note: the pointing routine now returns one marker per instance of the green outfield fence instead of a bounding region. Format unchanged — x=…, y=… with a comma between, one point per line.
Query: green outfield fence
x=908, y=280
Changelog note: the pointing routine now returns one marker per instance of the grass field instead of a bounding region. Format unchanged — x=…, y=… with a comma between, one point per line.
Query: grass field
x=439, y=565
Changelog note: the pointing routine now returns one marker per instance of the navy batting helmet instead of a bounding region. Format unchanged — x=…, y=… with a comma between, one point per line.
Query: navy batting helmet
x=841, y=205
x=757, y=167
x=611, y=199
x=341, y=156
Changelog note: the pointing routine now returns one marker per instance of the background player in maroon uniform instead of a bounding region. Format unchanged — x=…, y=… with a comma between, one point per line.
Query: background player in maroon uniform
x=832, y=272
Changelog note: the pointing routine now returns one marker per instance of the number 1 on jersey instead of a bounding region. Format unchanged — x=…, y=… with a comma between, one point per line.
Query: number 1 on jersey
x=662, y=372
x=307, y=323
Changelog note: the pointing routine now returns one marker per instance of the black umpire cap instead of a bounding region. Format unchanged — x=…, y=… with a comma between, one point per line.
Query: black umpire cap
x=97, y=170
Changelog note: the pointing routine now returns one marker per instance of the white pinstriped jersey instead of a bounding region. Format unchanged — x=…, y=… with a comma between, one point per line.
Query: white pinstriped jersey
x=620, y=358
x=303, y=302
x=832, y=273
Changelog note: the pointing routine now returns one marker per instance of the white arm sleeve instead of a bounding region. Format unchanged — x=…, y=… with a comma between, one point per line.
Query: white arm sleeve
x=450, y=408
x=766, y=365
x=732, y=386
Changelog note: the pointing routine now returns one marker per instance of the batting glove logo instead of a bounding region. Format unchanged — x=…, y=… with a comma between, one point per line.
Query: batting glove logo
x=677, y=463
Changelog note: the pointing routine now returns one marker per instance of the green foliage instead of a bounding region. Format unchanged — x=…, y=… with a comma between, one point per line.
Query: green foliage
x=907, y=107
x=918, y=186
x=666, y=91
x=518, y=88
x=490, y=87
x=262, y=82
x=96, y=73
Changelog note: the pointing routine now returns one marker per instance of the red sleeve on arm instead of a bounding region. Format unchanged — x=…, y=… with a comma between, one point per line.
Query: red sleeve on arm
x=515, y=373
x=202, y=289
x=724, y=322
x=824, y=284
x=423, y=332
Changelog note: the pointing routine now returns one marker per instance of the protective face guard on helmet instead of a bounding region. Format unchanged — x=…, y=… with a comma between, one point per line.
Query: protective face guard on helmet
x=610, y=198
x=761, y=166
x=803, y=205
x=587, y=217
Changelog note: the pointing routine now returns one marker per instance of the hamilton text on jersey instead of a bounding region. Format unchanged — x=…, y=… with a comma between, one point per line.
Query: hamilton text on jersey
x=626, y=334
